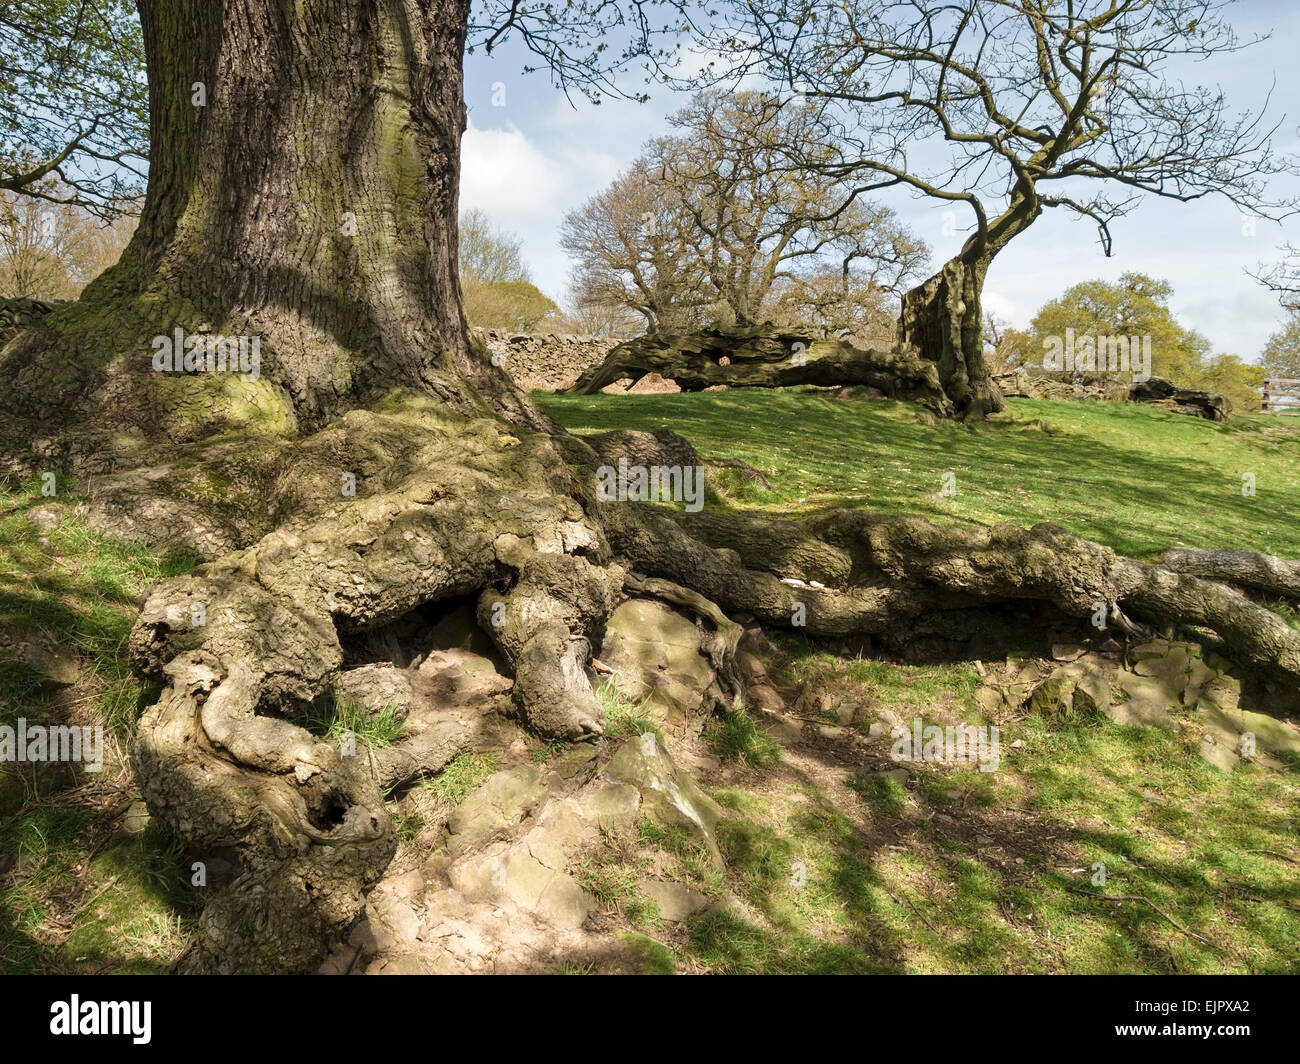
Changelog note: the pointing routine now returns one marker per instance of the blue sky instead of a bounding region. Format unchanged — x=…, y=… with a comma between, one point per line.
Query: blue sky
x=531, y=155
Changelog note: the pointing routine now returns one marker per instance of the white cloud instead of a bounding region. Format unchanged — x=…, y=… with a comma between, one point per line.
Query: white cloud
x=505, y=175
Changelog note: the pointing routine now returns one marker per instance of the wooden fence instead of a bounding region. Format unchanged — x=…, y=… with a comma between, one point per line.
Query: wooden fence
x=1281, y=396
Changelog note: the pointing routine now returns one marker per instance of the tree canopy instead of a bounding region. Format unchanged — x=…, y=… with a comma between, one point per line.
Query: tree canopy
x=74, y=123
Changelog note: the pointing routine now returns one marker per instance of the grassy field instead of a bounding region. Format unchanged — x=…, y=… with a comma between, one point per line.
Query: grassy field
x=962, y=871
x=1131, y=477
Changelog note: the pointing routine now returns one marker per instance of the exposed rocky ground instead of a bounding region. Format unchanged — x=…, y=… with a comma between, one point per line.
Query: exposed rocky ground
x=509, y=880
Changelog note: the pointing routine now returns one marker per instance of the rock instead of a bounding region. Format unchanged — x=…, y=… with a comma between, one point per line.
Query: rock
x=989, y=700
x=1067, y=652
x=831, y=731
x=394, y=922
x=889, y=718
x=1092, y=693
x=1147, y=702
x=409, y=886
x=750, y=667
x=613, y=805
x=403, y=964
x=44, y=519
x=764, y=697
x=1222, y=691
x=375, y=688
x=655, y=653
x=783, y=729
x=529, y=875
x=500, y=802
x=1172, y=668
x=670, y=795
x=1156, y=391
x=577, y=762
x=677, y=902
x=1220, y=756
x=1225, y=728
x=1054, y=695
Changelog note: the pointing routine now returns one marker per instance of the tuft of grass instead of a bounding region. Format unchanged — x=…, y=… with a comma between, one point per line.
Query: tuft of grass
x=461, y=775
x=738, y=737
x=336, y=716
x=625, y=718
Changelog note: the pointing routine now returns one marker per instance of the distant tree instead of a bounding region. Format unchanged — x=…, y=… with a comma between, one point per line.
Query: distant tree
x=495, y=286
x=1135, y=306
x=487, y=252
x=74, y=124
x=711, y=226
x=53, y=250
x=517, y=306
x=1281, y=356
x=1033, y=105
x=1230, y=376
x=630, y=253
x=837, y=302
x=1006, y=348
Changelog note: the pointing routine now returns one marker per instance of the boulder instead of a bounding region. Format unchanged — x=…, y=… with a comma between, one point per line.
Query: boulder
x=377, y=687
x=667, y=793
x=655, y=652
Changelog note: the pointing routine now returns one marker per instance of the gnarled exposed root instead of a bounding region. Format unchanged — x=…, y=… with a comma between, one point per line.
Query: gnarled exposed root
x=1265, y=573
x=541, y=627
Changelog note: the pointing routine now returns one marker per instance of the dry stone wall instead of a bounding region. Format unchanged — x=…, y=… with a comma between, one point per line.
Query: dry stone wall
x=18, y=314
x=546, y=360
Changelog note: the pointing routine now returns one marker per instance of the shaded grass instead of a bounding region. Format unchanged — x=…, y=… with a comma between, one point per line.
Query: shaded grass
x=80, y=591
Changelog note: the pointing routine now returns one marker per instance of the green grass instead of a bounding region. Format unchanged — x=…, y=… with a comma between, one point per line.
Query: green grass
x=336, y=716
x=736, y=736
x=462, y=774
x=625, y=718
x=957, y=870
x=1132, y=477
x=81, y=591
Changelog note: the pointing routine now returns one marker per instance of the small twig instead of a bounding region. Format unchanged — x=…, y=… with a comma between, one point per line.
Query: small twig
x=920, y=916
x=172, y=968
x=1271, y=853
x=1145, y=901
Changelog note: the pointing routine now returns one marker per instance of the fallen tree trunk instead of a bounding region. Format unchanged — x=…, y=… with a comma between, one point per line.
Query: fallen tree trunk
x=766, y=357
x=1159, y=392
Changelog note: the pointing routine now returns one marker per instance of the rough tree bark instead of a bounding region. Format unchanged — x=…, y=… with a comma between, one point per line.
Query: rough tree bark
x=303, y=186
x=943, y=322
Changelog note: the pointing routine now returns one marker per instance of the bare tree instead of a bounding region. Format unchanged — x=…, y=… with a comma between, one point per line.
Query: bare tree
x=1006, y=107
x=630, y=249
x=53, y=250
x=712, y=225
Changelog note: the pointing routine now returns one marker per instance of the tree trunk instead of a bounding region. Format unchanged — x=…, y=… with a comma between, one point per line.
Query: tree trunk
x=941, y=320
x=304, y=171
